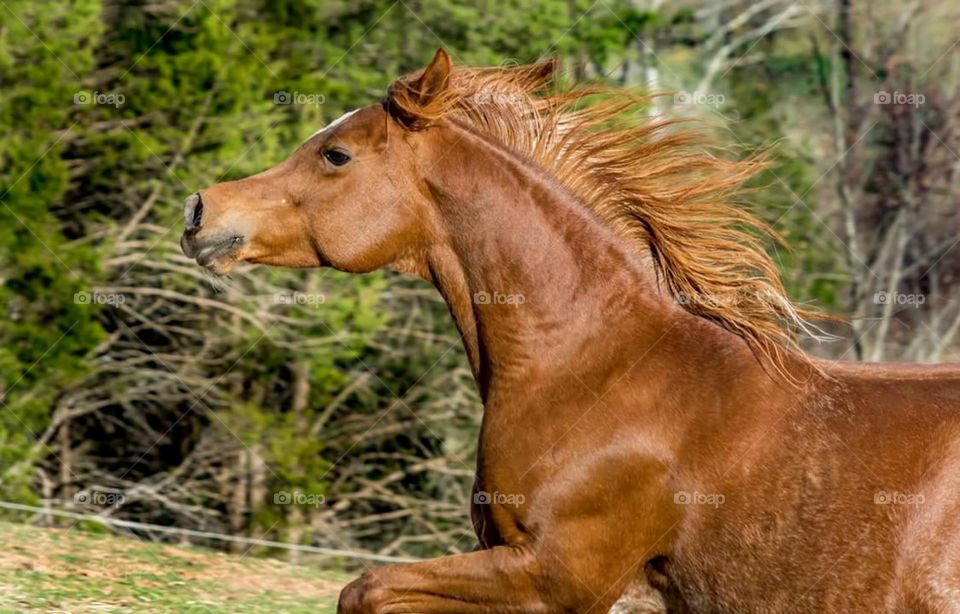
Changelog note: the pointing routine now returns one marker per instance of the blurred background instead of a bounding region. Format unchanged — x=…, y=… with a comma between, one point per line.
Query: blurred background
x=338, y=412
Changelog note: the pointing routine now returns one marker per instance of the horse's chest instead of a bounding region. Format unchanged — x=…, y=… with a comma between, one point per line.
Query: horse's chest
x=538, y=479
x=503, y=491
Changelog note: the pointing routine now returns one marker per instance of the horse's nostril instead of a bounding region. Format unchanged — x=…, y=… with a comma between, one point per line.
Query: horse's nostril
x=193, y=211
x=197, y=212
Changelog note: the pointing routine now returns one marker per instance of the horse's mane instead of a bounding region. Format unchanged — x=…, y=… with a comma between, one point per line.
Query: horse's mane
x=655, y=180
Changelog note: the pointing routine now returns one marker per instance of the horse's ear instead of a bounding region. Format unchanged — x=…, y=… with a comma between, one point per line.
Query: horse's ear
x=546, y=69
x=410, y=100
x=435, y=77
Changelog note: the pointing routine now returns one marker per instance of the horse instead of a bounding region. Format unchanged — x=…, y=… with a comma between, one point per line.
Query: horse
x=653, y=437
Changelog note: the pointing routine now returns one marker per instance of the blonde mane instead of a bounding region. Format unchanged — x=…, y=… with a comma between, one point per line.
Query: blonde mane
x=655, y=181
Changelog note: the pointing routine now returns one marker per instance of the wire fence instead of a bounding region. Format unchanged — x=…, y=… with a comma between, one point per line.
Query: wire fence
x=236, y=539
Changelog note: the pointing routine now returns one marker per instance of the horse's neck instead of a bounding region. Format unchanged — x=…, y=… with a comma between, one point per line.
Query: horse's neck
x=534, y=281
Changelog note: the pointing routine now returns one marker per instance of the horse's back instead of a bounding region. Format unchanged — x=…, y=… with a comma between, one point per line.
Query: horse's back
x=857, y=477
x=910, y=414
x=921, y=394
x=946, y=374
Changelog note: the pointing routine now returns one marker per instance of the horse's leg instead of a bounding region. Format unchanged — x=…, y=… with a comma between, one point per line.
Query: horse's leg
x=640, y=598
x=502, y=579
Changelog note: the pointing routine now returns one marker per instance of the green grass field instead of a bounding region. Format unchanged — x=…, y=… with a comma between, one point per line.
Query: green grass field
x=59, y=570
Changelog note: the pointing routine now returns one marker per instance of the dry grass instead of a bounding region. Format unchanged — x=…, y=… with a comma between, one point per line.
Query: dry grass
x=60, y=570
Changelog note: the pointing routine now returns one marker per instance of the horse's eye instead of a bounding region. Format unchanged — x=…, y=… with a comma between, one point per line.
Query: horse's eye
x=336, y=157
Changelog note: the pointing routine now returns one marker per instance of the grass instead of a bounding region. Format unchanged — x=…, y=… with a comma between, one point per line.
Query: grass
x=60, y=570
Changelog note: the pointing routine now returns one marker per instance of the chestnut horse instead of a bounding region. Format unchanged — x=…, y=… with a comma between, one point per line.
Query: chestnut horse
x=652, y=437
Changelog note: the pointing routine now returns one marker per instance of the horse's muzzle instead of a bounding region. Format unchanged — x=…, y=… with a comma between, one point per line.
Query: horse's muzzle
x=188, y=245
x=208, y=250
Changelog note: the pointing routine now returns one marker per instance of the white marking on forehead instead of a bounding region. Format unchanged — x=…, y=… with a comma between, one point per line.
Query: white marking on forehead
x=334, y=123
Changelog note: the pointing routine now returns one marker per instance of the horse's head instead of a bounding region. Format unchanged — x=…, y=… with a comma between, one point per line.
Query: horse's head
x=350, y=197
